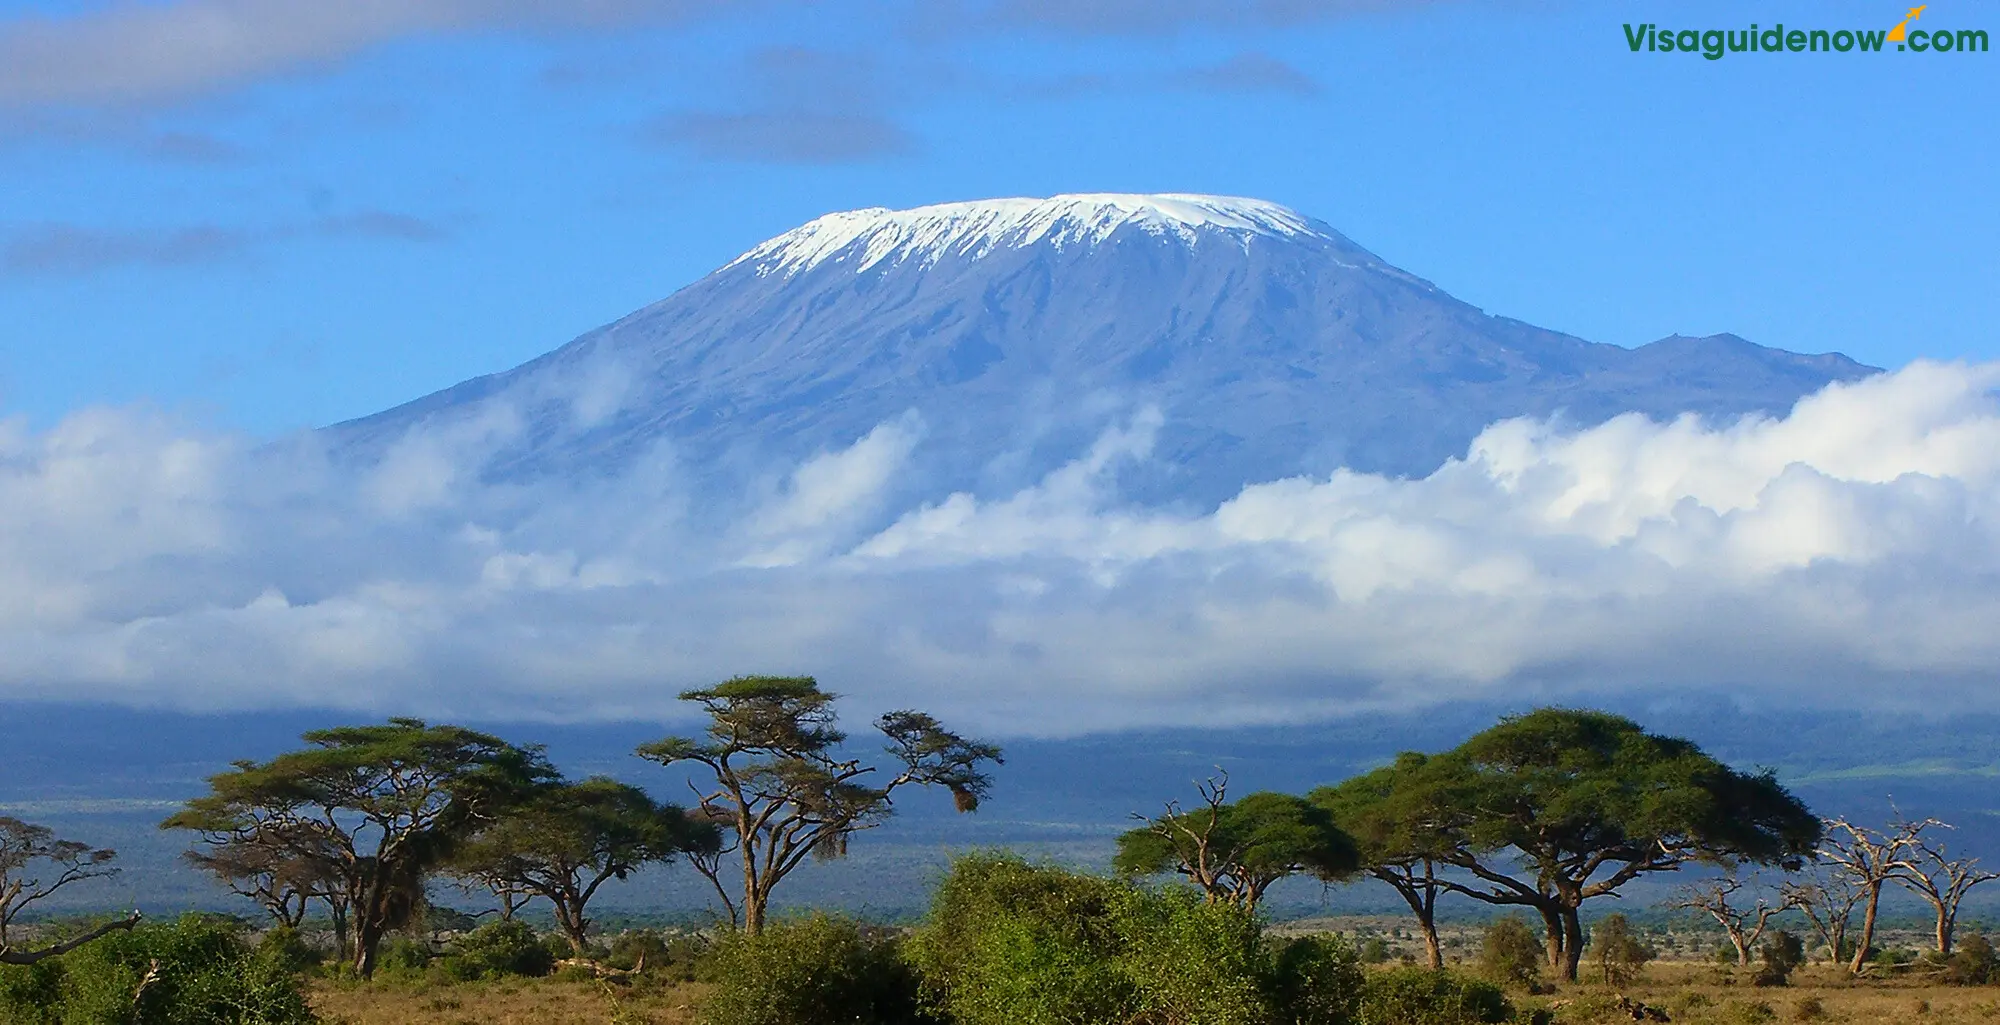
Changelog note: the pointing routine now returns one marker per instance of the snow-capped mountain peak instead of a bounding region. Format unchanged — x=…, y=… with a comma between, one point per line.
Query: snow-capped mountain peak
x=864, y=238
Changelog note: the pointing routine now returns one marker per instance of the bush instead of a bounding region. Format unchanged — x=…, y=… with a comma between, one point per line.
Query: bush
x=1973, y=963
x=497, y=950
x=1419, y=996
x=196, y=971
x=1779, y=957
x=1618, y=955
x=818, y=970
x=1375, y=951
x=1744, y=1012
x=402, y=959
x=1007, y=942
x=1316, y=980
x=1511, y=954
x=1193, y=961
x=284, y=947
x=1808, y=1009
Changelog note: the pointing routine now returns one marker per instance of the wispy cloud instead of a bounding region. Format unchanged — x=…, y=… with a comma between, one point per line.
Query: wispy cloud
x=793, y=105
x=1250, y=72
x=1843, y=555
x=73, y=249
x=1145, y=17
x=129, y=52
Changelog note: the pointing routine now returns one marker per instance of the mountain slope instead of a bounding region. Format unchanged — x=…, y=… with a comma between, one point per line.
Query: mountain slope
x=1018, y=330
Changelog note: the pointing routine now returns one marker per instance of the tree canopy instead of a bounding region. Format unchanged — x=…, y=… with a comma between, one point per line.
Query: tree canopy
x=568, y=839
x=1584, y=802
x=379, y=808
x=784, y=789
x=1234, y=851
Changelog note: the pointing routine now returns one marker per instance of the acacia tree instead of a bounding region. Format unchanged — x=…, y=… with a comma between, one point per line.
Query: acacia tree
x=1827, y=899
x=377, y=808
x=279, y=877
x=1745, y=925
x=1403, y=831
x=783, y=790
x=1943, y=882
x=1871, y=858
x=23, y=847
x=570, y=838
x=1234, y=852
x=1567, y=805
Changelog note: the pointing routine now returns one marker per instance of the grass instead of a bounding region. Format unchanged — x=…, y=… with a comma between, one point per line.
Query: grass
x=1690, y=993
x=548, y=1001
x=1702, y=994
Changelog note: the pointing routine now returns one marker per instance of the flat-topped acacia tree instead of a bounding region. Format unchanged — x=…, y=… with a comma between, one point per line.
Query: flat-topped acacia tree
x=1403, y=825
x=784, y=790
x=1235, y=850
x=1566, y=805
x=377, y=808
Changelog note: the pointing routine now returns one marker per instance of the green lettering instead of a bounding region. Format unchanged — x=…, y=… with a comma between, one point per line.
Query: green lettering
x=1711, y=44
x=1773, y=40
x=1870, y=41
x=1920, y=40
x=1820, y=40
x=1795, y=41
x=1687, y=40
x=1634, y=39
x=1843, y=40
x=1969, y=36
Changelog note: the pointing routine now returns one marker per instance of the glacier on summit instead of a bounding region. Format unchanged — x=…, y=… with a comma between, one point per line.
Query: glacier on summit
x=1009, y=334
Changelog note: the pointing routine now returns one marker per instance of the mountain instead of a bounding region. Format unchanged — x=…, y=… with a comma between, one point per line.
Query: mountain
x=1018, y=330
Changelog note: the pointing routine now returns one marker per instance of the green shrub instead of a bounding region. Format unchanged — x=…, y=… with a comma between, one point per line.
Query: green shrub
x=1618, y=955
x=1009, y=942
x=817, y=970
x=1744, y=1012
x=196, y=971
x=1189, y=960
x=497, y=950
x=1511, y=954
x=1419, y=996
x=667, y=956
x=402, y=959
x=285, y=948
x=1973, y=963
x=1316, y=980
x=1808, y=1009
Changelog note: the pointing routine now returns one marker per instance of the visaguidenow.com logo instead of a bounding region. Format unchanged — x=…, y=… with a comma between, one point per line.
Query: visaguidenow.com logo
x=1714, y=43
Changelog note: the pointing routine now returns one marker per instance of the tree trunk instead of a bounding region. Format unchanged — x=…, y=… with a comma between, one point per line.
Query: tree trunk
x=1433, y=950
x=574, y=927
x=1742, y=945
x=1572, y=943
x=1552, y=926
x=1867, y=937
x=366, y=939
x=1944, y=930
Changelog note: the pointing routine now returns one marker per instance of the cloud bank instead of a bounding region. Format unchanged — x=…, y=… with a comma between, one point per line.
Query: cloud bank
x=1848, y=553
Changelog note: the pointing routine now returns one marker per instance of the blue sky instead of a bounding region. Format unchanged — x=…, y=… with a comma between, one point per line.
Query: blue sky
x=273, y=215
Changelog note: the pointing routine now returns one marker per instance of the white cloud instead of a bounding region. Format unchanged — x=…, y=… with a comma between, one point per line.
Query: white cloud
x=1847, y=553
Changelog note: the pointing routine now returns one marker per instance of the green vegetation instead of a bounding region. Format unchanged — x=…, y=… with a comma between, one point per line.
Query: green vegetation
x=1542, y=812
x=196, y=971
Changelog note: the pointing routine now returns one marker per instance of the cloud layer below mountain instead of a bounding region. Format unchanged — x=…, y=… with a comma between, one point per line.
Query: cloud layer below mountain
x=1846, y=554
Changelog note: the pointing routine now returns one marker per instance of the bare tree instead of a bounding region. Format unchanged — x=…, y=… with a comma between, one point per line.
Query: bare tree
x=23, y=846
x=1745, y=925
x=1943, y=881
x=1871, y=859
x=1827, y=899
x=279, y=876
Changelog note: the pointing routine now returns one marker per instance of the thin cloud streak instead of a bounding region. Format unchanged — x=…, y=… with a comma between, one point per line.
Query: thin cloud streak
x=130, y=53
x=77, y=250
